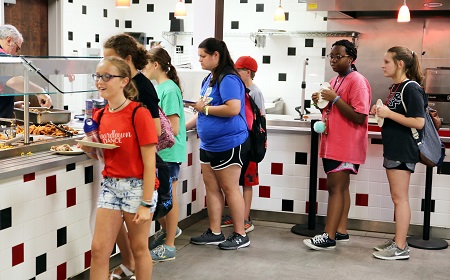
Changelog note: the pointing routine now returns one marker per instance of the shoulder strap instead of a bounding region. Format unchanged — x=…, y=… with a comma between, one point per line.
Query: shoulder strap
x=132, y=120
x=414, y=132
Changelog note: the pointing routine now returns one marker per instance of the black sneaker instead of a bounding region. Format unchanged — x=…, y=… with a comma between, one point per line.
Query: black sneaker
x=235, y=241
x=320, y=242
x=208, y=238
x=342, y=237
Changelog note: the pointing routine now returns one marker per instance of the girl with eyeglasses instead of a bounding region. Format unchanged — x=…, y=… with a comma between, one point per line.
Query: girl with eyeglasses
x=128, y=194
x=343, y=143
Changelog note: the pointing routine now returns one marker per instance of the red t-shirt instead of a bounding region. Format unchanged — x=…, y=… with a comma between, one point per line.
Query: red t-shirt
x=117, y=128
x=347, y=141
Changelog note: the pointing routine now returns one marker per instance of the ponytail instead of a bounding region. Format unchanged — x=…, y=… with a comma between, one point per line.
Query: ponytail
x=413, y=70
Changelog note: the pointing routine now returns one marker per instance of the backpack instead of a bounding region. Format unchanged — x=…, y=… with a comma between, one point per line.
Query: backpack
x=431, y=148
x=164, y=204
x=256, y=123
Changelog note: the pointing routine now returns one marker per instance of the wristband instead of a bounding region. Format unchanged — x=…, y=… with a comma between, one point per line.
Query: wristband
x=145, y=204
x=206, y=110
x=336, y=99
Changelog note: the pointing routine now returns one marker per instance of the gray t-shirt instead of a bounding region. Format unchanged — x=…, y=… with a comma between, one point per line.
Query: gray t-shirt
x=256, y=94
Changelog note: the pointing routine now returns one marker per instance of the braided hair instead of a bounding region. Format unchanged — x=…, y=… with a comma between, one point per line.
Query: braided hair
x=350, y=49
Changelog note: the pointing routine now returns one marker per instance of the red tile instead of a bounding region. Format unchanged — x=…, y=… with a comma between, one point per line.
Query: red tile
x=29, y=177
x=17, y=254
x=71, y=199
x=87, y=259
x=51, y=184
x=264, y=191
x=307, y=207
x=362, y=199
x=206, y=205
x=194, y=195
x=276, y=169
x=323, y=184
x=189, y=161
x=61, y=271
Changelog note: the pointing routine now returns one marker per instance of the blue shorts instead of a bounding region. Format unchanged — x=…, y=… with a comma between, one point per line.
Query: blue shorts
x=174, y=170
x=123, y=194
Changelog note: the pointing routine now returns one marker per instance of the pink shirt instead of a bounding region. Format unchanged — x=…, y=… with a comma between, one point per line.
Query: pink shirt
x=347, y=141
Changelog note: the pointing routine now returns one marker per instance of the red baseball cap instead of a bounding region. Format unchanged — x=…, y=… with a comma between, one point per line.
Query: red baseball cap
x=246, y=62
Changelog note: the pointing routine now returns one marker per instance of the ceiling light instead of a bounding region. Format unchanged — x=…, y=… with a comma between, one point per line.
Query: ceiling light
x=180, y=9
x=123, y=3
x=279, y=14
x=403, y=13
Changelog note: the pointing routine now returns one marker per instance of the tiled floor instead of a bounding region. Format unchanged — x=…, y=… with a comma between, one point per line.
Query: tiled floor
x=276, y=253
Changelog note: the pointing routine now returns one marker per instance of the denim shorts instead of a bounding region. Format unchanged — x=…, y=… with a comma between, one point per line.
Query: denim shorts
x=123, y=194
x=174, y=170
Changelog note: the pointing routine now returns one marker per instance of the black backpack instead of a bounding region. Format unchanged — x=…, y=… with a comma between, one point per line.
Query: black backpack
x=258, y=131
x=164, y=204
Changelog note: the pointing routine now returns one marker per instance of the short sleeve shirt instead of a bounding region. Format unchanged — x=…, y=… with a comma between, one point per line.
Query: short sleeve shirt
x=257, y=95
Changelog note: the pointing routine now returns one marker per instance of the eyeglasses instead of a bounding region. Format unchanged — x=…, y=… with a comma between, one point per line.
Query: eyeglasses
x=17, y=47
x=104, y=77
x=337, y=57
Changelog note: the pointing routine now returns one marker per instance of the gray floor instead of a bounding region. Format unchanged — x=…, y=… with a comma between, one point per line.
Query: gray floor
x=275, y=252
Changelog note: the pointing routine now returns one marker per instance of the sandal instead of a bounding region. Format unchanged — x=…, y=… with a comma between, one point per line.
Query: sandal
x=126, y=272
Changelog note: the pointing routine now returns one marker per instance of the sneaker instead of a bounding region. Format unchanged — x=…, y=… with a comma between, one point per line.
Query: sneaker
x=235, y=241
x=208, y=238
x=227, y=221
x=163, y=253
x=320, y=242
x=393, y=252
x=160, y=237
x=384, y=245
x=248, y=226
x=342, y=237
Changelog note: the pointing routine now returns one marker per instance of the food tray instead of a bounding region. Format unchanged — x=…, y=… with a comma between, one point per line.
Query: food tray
x=40, y=115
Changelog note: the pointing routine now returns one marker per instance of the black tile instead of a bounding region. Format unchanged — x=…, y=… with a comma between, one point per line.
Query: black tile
x=179, y=49
x=83, y=10
x=286, y=16
x=171, y=15
x=117, y=23
x=259, y=8
x=244, y=1
x=309, y=43
x=128, y=24
x=292, y=51
x=187, y=1
x=376, y=141
x=5, y=218
x=444, y=168
x=105, y=13
x=70, y=1
x=150, y=7
x=287, y=205
x=88, y=45
x=307, y=103
x=266, y=59
x=70, y=35
x=189, y=209
x=70, y=167
x=184, y=186
x=88, y=174
x=135, y=2
x=41, y=264
x=282, y=77
x=324, y=52
x=422, y=206
x=61, y=237
x=301, y=158
x=97, y=38
x=325, y=18
x=235, y=25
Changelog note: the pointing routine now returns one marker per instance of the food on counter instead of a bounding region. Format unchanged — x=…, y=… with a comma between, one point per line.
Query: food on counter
x=33, y=110
x=3, y=137
x=4, y=147
x=64, y=147
x=47, y=129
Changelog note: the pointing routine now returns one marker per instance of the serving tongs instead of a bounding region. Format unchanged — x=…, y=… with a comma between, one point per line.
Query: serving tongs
x=68, y=133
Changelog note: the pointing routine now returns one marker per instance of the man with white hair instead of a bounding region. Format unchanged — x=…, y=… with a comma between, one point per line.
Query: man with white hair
x=10, y=44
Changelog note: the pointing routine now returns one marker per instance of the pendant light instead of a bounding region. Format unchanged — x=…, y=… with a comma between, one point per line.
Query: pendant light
x=403, y=13
x=123, y=3
x=180, y=9
x=279, y=14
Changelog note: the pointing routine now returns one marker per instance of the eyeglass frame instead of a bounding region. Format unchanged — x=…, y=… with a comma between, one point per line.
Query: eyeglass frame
x=337, y=57
x=17, y=47
x=97, y=77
